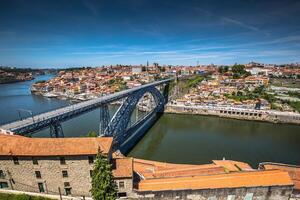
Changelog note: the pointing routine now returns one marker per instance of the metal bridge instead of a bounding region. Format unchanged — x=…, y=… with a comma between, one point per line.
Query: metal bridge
x=115, y=127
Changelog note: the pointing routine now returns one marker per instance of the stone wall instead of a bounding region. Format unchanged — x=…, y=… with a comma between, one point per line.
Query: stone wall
x=245, y=114
x=254, y=193
x=128, y=186
x=22, y=176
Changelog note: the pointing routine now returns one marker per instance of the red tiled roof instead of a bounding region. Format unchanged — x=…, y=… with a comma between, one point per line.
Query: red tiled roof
x=294, y=172
x=123, y=168
x=231, y=180
x=153, y=169
x=233, y=166
x=23, y=146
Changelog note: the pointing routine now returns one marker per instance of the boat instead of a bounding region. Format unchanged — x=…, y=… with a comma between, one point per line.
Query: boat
x=50, y=95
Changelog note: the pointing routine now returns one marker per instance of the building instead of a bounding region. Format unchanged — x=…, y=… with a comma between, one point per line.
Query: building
x=46, y=164
x=43, y=165
x=222, y=179
x=293, y=170
x=136, y=69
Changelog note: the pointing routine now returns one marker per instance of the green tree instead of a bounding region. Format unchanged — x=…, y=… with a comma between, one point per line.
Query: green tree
x=238, y=69
x=223, y=69
x=92, y=134
x=103, y=185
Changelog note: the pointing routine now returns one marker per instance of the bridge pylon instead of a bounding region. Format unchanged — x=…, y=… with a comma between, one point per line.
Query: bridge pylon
x=56, y=130
x=104, y=119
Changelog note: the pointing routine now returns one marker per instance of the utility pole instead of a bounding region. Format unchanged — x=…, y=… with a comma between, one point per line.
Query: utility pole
x=59, y=193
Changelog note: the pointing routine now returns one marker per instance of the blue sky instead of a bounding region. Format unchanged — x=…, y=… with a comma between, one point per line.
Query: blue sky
x=52, y=33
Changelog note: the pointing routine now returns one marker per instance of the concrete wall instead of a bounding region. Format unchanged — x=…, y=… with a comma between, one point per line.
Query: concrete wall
x=22, y=176
x=257, y=193
x=245, y=114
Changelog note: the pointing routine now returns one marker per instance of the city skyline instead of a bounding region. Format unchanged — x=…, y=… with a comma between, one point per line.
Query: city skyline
x=94, y=33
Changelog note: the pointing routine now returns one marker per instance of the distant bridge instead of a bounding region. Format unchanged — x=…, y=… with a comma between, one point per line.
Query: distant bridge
x=116, y=126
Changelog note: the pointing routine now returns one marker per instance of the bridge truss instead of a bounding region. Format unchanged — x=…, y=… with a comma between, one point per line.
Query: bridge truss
x=114, y=127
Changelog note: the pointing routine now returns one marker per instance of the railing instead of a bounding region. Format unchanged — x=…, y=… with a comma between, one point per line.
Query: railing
x=71, y=110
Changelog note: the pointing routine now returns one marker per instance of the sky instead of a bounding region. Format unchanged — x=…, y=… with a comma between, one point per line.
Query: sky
x=68, y=33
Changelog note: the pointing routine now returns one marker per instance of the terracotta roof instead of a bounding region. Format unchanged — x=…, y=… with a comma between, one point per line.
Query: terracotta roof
x=294, y=172
x=23, y=146
x=233, y=166
x=153, y=169
x=231, y=180
x=123, y=168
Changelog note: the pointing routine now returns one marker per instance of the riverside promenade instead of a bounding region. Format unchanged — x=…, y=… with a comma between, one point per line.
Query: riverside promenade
x=236, y=113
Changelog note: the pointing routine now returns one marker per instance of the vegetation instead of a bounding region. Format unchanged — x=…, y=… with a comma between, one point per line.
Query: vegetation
x=239, y=71
x=294, y=94
x=183, y=85
x=4, y=196
x=295, y=105
x=194, y=81
x=16, y=70
x=259, y=92
x=92, y=134
x=103, y=185
x=223, y=69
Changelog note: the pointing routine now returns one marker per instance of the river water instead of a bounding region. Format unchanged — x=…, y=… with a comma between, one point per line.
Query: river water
x=174, y=138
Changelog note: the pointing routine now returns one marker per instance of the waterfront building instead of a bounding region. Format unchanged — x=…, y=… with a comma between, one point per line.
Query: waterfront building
x=43, y=165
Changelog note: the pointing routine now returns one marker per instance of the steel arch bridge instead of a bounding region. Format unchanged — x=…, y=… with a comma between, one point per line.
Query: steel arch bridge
x=118, y=125
x=115, y=127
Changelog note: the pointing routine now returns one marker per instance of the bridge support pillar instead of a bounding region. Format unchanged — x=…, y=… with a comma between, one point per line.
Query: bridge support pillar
x=104, y=119
x=166, y=93
x=56, y=130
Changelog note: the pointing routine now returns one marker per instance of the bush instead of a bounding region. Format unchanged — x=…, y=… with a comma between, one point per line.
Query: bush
x=4, y=196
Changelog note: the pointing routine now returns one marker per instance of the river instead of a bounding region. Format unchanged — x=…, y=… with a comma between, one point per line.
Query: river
x=174, y=138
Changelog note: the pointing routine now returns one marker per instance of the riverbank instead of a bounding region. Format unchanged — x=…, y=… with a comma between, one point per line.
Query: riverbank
x=237, y=113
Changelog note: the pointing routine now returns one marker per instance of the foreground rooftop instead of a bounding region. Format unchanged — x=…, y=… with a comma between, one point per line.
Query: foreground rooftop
x=14, y=145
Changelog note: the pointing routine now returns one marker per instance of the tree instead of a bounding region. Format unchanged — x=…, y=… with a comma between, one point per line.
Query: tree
x=103, y=185
x=223, y=69
x=239, y=69
x=92, y=134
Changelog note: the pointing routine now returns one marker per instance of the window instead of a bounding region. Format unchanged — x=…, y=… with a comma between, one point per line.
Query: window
x=121, y=184
x=67, y=188
x=231, y=197
x=122, y=194
x=91, y=173
x=3, y=185
x=62, y=160
x=16, y=160
x=249, y=196
x=35, y=161
x=2, y=175
x=38, y=174
x=68, y=191
x=66, y=184
x=41, y=187
x=91, y=159
x=65, y=174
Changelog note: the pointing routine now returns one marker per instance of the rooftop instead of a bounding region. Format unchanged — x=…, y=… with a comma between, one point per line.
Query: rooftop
x=231, y=180
x=293, y=170
x=12, y=145
x=122, y=168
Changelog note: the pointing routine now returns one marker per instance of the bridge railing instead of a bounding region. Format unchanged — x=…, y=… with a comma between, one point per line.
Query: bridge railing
x=71, y=108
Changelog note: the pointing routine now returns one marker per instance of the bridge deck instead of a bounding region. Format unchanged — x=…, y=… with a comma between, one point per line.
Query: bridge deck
x=75, y=107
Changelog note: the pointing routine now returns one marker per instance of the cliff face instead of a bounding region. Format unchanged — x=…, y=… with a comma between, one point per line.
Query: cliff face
x=183, y=85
